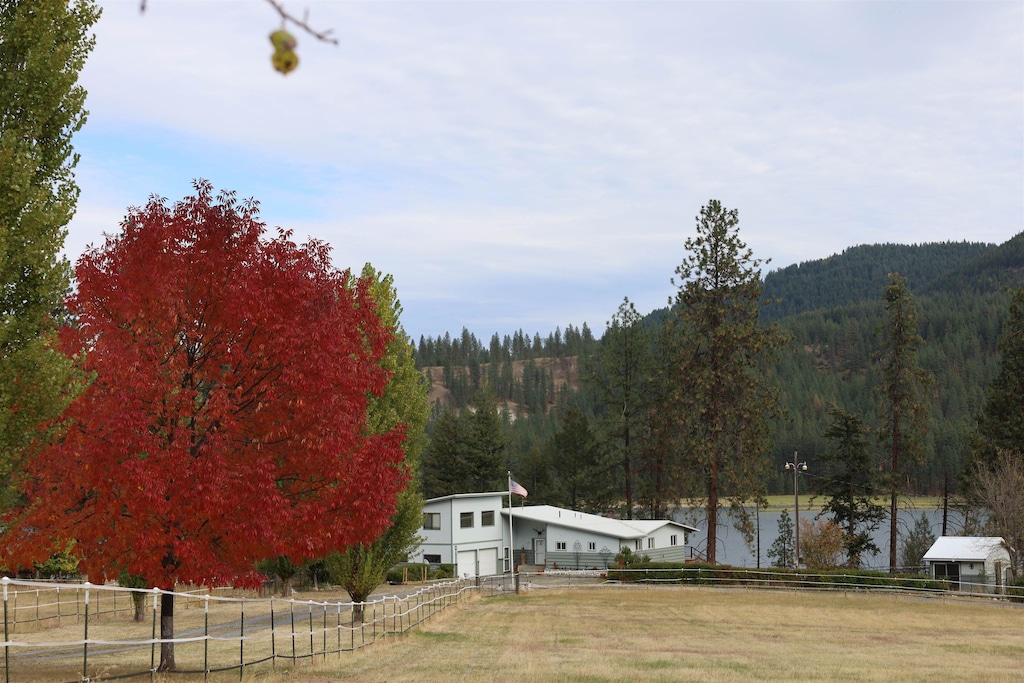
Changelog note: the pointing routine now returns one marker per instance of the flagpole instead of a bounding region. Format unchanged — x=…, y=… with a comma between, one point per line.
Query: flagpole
x=511, y=558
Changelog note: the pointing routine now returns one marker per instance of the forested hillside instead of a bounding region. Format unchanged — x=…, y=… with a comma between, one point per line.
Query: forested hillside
x=832, y=310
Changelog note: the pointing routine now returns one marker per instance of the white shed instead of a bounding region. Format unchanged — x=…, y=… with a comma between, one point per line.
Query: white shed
x=970, y=563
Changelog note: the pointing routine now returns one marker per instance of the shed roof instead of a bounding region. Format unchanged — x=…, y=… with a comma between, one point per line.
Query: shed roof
x=584, y=521
x=952, y=548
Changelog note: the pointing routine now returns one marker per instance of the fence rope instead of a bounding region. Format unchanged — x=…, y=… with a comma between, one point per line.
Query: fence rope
x=380, y=617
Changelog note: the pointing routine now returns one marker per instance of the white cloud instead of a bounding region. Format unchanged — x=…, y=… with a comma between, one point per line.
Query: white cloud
x=469, y=148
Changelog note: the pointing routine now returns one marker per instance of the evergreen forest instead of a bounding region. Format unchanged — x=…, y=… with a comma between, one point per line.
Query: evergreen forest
x=551, y=415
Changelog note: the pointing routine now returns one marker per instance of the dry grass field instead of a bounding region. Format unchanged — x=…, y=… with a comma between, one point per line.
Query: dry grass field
x=693, y=634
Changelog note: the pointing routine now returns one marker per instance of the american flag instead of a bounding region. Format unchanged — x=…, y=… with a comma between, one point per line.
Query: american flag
x=516, y=488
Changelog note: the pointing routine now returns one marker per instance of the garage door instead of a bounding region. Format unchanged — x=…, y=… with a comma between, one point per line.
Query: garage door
x=488, y=561
x=467, y=563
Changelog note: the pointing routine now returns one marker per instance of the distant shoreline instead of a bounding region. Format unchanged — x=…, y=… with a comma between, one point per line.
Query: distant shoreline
x=778, y=503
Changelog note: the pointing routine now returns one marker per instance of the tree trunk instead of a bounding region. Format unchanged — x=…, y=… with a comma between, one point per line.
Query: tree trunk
x=139, y=602
x=894, y=491
x=166, y=632
x=713, y=510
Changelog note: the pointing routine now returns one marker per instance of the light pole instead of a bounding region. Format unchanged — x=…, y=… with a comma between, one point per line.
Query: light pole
x=797, y=467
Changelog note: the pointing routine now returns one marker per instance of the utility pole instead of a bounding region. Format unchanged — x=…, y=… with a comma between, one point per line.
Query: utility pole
x=797, y=467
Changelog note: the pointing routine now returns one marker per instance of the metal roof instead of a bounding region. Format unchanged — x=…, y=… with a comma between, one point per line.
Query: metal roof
x=584, y=521
x=953, y=548
x=453, y=496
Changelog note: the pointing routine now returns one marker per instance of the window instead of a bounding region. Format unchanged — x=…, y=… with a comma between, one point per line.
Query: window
x=650, y=542
x=487, y=518
x=432, y=559
x=560, y=545
x=639, y=544
x=431, y=520
x=672, y=540
x=592, y=546
x=466, y=520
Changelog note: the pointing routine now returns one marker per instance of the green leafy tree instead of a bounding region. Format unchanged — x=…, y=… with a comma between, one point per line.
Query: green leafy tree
x=128, y=580
x=360, y=569
x=916, y=544
x=43, y=46
x=621, y=377
x=282, y=568
x=404, y=402
x=903, y=394
x=1001, y=423
x=851, y=483
x=822, y=544
x=61, y=564
x=781, y=550
x=725, y=397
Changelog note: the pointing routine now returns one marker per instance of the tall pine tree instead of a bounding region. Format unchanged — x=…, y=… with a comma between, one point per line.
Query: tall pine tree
x=621, y=377
x=1001, y=423
x=724, y=397
x=903, y=395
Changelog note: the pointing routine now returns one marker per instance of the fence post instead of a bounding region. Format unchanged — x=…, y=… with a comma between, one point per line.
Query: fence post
x=311, y=631
x=325, y=630
x=7, y=663
x=85, y=640
x=241, y=641
x=273, y=649
x=291, y=609
x=152, y=647
x=58, y=606
x=206, y=637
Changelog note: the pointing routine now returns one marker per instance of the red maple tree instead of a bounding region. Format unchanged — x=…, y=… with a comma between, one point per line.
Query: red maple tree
x=226, y=419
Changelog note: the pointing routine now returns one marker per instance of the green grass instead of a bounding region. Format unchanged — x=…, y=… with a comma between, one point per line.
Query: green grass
x=695, y=634
x=785, y=502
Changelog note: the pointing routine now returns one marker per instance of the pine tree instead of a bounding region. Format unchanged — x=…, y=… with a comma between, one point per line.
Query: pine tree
x=724, y=398
x=903, y=394
x=621, y=378
x=781, y=550
x=577, y=466
x=851, y=483
x=917, y=543
x=1001, y=423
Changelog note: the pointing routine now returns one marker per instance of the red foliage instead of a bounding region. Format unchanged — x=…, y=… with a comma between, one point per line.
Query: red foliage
x=226, y=421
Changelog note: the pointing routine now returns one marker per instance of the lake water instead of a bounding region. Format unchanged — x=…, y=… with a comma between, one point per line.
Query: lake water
x=734, y=551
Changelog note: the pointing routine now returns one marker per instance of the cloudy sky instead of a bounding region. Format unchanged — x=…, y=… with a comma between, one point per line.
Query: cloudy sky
x=526, y=165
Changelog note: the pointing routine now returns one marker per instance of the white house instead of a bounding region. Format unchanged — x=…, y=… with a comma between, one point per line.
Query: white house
x=472, y=530
x=971, y=563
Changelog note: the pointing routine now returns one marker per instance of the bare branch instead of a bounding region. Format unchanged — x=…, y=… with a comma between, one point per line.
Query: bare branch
x=303, y=23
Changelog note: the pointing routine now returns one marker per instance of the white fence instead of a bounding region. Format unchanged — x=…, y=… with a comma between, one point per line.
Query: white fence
x=85, y=632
